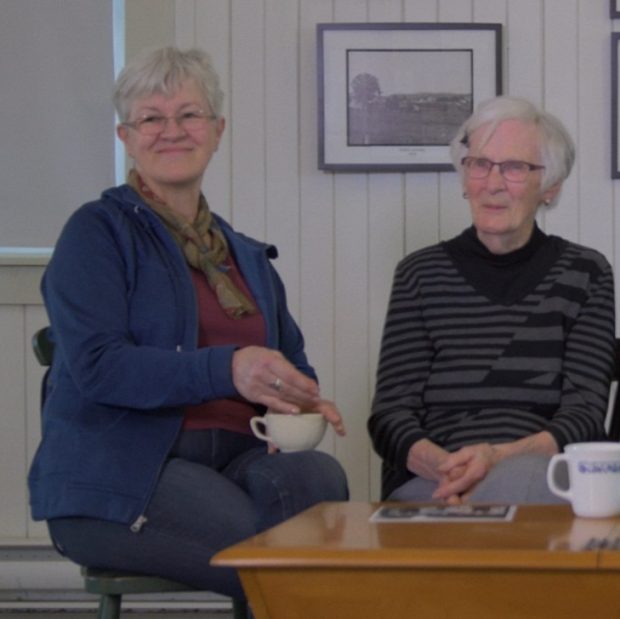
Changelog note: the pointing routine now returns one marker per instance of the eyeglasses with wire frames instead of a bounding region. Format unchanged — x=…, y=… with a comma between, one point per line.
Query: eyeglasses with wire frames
x=513, y=171
x=154, y=124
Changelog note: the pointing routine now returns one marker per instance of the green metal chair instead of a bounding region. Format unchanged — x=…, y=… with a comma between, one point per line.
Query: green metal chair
x=111, y=585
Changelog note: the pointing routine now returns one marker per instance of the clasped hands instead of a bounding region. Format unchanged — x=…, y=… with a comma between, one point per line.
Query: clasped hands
x=265, y=376
x=461, y=471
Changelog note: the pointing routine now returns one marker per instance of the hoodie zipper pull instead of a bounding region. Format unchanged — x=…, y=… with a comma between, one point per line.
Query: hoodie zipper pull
x=138, y=524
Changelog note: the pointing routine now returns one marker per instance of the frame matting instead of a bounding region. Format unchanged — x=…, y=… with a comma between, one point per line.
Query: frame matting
x=392, y=95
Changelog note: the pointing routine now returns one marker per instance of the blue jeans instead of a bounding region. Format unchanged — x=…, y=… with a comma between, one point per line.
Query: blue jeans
x=217, y=488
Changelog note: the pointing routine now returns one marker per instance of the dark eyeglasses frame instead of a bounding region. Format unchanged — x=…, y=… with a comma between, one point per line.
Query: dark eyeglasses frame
x=502, y=165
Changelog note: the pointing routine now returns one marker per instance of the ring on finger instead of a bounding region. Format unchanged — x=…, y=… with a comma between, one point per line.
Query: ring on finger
x=277, y=384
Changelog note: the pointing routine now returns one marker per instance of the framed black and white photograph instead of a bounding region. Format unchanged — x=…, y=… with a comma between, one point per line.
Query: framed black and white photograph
x=615, y=104
x=614, y=8
x=391, y=96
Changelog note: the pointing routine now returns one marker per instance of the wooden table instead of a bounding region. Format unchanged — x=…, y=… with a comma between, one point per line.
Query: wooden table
x=331, y=562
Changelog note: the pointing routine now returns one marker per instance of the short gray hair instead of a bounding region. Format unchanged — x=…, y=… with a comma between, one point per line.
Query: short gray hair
x=162, y=71
x=557, y=150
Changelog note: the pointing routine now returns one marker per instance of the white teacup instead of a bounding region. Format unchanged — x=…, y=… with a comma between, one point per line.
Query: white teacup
x=593, y=478
x=290, y=432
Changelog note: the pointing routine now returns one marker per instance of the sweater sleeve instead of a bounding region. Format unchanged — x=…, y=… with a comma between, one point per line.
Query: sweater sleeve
x=396, y=420
x=589, y=359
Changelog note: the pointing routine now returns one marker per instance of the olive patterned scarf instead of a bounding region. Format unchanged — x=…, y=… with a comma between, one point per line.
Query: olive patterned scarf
x=203, y=244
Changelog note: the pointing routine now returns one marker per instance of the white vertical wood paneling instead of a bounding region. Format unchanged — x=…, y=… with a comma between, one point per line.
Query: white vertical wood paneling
x=351, y=302
x=421, y=210
x=247, y=116
x=560, y=94
x=184, y=23
x=593, y=72
x=524, y=49
x=317, y=273
x=386, y=221
x=453, y=210
x=489, y=11
x=282, y=143
x=13, y=506
x=455, y=10
x=386, y=218
x=421, y=189
x=420, y=10
x=351, y=327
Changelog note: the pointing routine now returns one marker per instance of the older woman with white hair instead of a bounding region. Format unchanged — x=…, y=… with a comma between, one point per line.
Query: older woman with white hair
x=498, y=345
x=171, y=331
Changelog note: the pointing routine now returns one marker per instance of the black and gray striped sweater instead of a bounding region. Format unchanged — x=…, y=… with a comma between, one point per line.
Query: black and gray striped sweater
x=484, y=348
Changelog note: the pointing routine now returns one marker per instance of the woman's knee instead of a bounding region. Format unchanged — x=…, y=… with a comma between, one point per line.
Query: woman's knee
x=314, y=474
x=520, y=479
x=416, y=489
x=283, y=484
x=186, y=489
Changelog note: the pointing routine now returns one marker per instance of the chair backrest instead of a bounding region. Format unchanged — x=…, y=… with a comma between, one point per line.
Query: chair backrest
x=43, y=347
x=614, y=422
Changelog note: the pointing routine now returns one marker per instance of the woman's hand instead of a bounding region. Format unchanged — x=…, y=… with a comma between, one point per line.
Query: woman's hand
x=457, y=474
x=264, y=376
x=332, y=414
x=462, y=470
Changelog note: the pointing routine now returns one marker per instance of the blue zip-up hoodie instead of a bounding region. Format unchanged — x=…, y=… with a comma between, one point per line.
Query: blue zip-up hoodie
x=123, y=312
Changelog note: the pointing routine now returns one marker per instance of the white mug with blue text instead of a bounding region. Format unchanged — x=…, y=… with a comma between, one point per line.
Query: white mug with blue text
x=593, y=478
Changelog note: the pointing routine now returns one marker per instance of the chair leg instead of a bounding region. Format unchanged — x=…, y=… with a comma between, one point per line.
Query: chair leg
x=109, y=606
x=240, y=609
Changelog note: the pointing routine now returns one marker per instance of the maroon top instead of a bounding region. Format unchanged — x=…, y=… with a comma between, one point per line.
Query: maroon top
x=215, y=328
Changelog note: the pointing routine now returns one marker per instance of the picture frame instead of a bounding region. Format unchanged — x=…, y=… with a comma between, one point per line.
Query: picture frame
x=615, y=104
x=614, y=8
x=392, y=95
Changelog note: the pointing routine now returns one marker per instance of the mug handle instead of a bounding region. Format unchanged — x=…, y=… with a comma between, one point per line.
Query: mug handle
x=254, y=424
x=555, y=460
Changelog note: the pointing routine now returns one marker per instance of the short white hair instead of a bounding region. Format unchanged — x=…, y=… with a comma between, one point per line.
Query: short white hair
x=163, y=71
x=557, y=149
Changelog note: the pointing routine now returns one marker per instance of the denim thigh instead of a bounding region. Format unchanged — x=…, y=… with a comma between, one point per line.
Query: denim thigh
x=216, y=489
x=194, y=512
x=281, y=485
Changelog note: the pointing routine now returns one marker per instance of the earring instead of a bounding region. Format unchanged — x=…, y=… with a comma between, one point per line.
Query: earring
x=465, y=195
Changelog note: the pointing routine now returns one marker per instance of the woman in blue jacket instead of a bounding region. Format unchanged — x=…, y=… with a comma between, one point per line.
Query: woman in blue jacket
x=171, y=331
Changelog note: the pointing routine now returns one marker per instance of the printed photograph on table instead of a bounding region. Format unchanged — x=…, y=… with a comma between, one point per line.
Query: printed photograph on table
x=392, y=95
x=444, y=513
